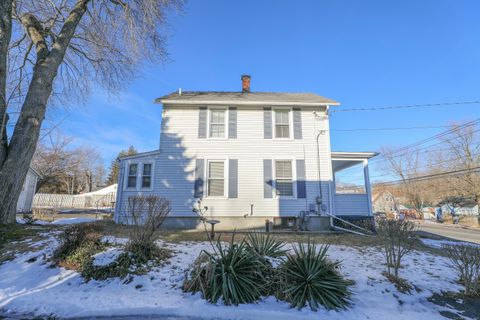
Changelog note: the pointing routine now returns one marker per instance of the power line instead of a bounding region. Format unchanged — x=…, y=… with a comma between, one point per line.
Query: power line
x=425, y=177
x=388, y=129
x=432, y=138
x=441, y=104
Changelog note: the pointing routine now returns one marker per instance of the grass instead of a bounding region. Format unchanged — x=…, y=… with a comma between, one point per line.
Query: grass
x=12, y=237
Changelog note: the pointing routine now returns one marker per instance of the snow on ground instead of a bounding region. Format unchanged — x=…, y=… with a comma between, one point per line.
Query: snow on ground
x=30, y=286
x=438, y=243
x=60, y=221
x=106, y=257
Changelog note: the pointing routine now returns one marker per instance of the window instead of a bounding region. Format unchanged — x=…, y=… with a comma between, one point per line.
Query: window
x=216, y=179
x=283, y=178
x=217, y=123
x=147, y=175
x=132, y=175
x=282, y=124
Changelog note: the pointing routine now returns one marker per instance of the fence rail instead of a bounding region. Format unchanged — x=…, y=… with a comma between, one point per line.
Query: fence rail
x=50, y=200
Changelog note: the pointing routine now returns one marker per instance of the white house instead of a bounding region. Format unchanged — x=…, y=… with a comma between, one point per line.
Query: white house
x=250, y=156
x=24, y=203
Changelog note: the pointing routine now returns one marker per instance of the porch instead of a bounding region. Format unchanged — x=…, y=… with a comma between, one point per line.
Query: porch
x=351, y=192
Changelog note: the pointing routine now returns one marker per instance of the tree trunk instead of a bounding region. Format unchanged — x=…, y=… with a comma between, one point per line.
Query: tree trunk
x=5, y=36
x=27, y=129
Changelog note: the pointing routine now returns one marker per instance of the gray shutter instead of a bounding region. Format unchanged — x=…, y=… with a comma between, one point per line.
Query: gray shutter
x=199, y=178
x=301, y=187
x=267, y=179
x=232, y=123
x=297, y=123
x=202, y=122
x=233, y=178
x=267, y=123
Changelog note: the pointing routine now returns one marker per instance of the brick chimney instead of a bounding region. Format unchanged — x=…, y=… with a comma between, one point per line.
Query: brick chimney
x=246, y=83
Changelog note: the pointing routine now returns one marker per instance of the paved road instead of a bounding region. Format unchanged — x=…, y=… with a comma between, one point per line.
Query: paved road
x=452, y=231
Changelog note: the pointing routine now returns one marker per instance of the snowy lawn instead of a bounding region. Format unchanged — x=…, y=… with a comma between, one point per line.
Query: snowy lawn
x=30, y=286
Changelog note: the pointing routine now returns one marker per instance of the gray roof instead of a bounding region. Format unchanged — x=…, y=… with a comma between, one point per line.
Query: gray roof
x=250, y=98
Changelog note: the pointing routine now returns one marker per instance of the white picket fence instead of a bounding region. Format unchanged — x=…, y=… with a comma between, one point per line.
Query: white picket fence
x=88, y=201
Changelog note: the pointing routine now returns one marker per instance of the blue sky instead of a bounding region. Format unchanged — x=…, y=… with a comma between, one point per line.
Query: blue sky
x=361, y=53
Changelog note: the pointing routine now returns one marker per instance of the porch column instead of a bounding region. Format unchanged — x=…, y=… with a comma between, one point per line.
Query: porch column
x=367, y=186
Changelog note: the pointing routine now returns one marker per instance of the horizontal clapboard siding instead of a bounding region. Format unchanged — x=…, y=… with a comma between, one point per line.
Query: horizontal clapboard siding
x=351, y=205
x=180, y=147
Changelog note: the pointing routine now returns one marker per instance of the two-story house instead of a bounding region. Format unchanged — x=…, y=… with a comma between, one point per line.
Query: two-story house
x=250, y=156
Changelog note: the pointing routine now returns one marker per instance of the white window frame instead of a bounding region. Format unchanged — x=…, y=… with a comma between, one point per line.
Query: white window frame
x=290, y=123
x=139, y=175
x=207, y=178
x=209, y=122
x=294, y=179
x=152, y=171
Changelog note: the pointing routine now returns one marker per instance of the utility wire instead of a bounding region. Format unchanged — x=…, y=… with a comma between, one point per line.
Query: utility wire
x=432, y=138
x=388, y=129
x=442, y=104
x=426, y=177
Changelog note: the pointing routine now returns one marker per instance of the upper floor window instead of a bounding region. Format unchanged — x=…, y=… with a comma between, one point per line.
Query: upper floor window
x=132, y=175
x=217, y=123
x=284, y=178
x=147, y=175
x=282, y=124
x=216, y=178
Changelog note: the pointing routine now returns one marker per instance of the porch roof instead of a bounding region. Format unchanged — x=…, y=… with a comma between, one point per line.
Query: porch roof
x=343, y=160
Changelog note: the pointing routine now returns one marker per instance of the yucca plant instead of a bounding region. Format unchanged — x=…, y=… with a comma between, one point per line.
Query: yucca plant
x=265, y=245
x=308, y=277
x=232, y=274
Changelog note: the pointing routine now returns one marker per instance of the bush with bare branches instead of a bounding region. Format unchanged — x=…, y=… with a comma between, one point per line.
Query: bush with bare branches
x=398, y=238
x=465, y=259
x=146, y=214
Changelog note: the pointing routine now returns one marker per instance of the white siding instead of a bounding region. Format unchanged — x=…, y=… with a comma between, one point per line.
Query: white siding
x=351, y=205
x=180, y=146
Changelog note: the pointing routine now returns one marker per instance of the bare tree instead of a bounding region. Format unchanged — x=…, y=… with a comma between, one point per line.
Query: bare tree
x=67, y=169
x=53, y=49
x=463, y=153
x=406, y=166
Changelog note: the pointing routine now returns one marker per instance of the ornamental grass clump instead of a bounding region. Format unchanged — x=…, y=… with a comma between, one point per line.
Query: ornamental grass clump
x=231, y=274
x=265, y=245
x=308, y=277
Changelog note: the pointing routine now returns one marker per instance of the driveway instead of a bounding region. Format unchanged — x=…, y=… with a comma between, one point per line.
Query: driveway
x=455, y=232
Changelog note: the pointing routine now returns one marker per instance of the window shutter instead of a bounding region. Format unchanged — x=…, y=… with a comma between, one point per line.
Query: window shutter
x=232, y=123
x=297, y=123
x=267, y=123
x=233, y=178
x=199, y=178
x=202, y=122
x=301, y=187
x=267, y=179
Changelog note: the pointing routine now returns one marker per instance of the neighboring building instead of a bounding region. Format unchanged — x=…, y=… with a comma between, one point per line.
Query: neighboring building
x=384, y=201
x=250, y=156
x=464, y=208
x=24, y=203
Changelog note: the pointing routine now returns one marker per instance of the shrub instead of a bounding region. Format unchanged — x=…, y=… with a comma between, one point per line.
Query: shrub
x=232, y=274
x=307, y=276
x=147, y=215
x=76, y=236
x=465, y=259
x=265, y=245
x=398, y=238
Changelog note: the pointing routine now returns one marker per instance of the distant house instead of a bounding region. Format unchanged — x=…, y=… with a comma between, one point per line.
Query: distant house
x=465, y=207
x=24, y=203
x=249, y=157
x=384, y=201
